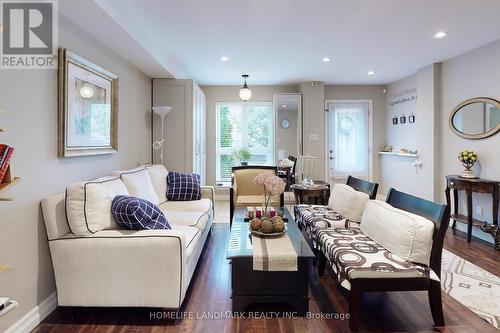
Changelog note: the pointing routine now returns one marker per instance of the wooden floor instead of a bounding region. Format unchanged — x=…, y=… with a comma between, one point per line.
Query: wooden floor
x=210, y=291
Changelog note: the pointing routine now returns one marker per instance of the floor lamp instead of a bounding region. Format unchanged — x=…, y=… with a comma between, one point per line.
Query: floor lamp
x=162, y=111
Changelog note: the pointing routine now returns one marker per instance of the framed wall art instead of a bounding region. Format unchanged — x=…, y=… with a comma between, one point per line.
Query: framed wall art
x=87, y=107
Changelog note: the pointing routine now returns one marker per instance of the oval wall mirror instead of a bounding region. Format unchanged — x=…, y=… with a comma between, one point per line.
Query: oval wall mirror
x=476, y=118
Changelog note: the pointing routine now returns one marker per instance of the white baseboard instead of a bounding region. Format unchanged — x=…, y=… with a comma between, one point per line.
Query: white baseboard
x=30, y=320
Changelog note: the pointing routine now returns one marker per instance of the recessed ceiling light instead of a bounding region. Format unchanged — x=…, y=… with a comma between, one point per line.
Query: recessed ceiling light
x=440, y=34
x=326, y=59
x=283, y=106
x=224, y=58
x=371, y=72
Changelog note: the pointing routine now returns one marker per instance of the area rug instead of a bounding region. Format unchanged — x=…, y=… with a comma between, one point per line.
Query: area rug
x=472, y=286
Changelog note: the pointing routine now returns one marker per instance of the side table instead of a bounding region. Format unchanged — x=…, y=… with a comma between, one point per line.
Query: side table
x=317, y=194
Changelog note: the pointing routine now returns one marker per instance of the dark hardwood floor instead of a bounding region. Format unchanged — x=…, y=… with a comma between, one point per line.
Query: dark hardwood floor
x=210, y=291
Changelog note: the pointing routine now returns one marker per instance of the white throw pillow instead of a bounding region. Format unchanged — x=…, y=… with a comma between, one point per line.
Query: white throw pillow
x=402, y=233
x=118, y=173
x=158, y=174
x=88, y=204
x=348, y=202
x=139, y=185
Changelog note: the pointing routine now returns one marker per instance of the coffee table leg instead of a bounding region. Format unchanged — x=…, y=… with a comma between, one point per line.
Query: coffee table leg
x=239, y=304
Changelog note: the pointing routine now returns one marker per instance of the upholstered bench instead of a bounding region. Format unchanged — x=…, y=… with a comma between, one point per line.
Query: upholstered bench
x=396, y=247
x=345, y=207
x=313, y=218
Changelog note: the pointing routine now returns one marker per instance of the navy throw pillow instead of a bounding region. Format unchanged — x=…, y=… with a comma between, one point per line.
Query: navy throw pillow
x=183, y=186
x=137, y=214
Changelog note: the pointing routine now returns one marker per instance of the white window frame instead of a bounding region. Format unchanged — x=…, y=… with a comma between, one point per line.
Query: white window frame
x=259, y=151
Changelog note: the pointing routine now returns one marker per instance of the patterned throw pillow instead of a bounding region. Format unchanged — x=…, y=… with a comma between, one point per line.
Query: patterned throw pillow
x=137, y=214
x=183, y=186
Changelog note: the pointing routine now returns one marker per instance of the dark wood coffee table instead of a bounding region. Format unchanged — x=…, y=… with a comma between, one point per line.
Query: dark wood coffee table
x=250, y=287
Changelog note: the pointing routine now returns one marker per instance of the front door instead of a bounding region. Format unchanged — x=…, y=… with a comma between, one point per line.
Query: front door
x=348, y=135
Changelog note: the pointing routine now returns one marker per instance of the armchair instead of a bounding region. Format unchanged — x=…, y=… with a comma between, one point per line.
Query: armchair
x=243, y=192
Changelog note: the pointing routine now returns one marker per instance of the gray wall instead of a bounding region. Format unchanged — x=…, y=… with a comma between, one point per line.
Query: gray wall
x=216, y=94
x=423, y=135
x=29, y=98
x=473, y=74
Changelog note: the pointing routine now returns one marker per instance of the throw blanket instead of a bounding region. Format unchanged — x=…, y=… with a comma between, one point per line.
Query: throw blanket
x=273, y=254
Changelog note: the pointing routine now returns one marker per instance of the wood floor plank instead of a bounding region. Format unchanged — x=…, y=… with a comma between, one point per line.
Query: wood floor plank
x=210, y=292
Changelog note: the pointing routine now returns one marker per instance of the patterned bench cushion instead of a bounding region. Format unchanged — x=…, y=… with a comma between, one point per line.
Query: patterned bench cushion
x=317, y=217
x=353, y=255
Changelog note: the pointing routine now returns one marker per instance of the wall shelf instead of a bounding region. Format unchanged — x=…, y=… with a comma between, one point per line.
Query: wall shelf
x=394, y=153
x=7, y=182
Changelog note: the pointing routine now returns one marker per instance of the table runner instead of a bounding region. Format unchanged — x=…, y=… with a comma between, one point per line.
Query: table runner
x=273, y=254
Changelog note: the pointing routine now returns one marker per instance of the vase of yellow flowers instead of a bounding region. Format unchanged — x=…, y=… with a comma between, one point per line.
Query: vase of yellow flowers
x=468, y=158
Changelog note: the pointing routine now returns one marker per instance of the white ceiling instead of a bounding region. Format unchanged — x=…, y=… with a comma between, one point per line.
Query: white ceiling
x=283, y=41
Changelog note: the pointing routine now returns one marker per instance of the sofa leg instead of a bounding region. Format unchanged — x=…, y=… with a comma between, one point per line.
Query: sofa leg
x=321, y=263
x=436, y=303
x=354, y=308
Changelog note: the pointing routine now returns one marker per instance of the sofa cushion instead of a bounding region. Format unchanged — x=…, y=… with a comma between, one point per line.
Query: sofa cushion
x=402, y=233
x=158, y=174
x=139, y=185
x=348, y=202
x=183, y=186
x=137, y=214
x=203, y=205
x=353, y=255
x=191, y=235
x=318, y=217
x=88, y=204
x=192, y=219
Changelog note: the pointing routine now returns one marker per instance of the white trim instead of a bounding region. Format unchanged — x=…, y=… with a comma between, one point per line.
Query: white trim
x=370, y=134
x=30, y=320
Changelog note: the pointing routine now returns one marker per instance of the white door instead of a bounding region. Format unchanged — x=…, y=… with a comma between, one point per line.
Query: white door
x=348, y=135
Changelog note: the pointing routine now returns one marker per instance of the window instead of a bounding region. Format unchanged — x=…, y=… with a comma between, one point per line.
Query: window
x=243, y=125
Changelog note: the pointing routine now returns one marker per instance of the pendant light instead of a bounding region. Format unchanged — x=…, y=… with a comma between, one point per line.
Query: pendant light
x=245, y=92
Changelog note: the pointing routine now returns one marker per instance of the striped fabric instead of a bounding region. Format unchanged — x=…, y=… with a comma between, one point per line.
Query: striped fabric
x=183, y=186
x=137, y=214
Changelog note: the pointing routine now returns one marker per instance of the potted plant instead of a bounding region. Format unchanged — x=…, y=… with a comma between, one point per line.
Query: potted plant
x=241, y=155
x=468, y=159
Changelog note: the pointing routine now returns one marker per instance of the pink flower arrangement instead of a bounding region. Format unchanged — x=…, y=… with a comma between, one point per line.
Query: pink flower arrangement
x=273, y=185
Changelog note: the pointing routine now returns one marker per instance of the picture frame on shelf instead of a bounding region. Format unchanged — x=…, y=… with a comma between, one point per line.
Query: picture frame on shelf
x=395, y=120
x=411, y=119
x=87, y=107
x=402, y=119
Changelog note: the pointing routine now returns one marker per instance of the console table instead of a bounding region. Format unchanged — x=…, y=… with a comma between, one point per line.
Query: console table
x=478, y=185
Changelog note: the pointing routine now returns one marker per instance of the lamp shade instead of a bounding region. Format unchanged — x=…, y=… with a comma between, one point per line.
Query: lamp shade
x=245, y=94
x=161, y=110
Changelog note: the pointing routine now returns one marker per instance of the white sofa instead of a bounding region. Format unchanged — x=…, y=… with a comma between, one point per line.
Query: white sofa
x=116, y=267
